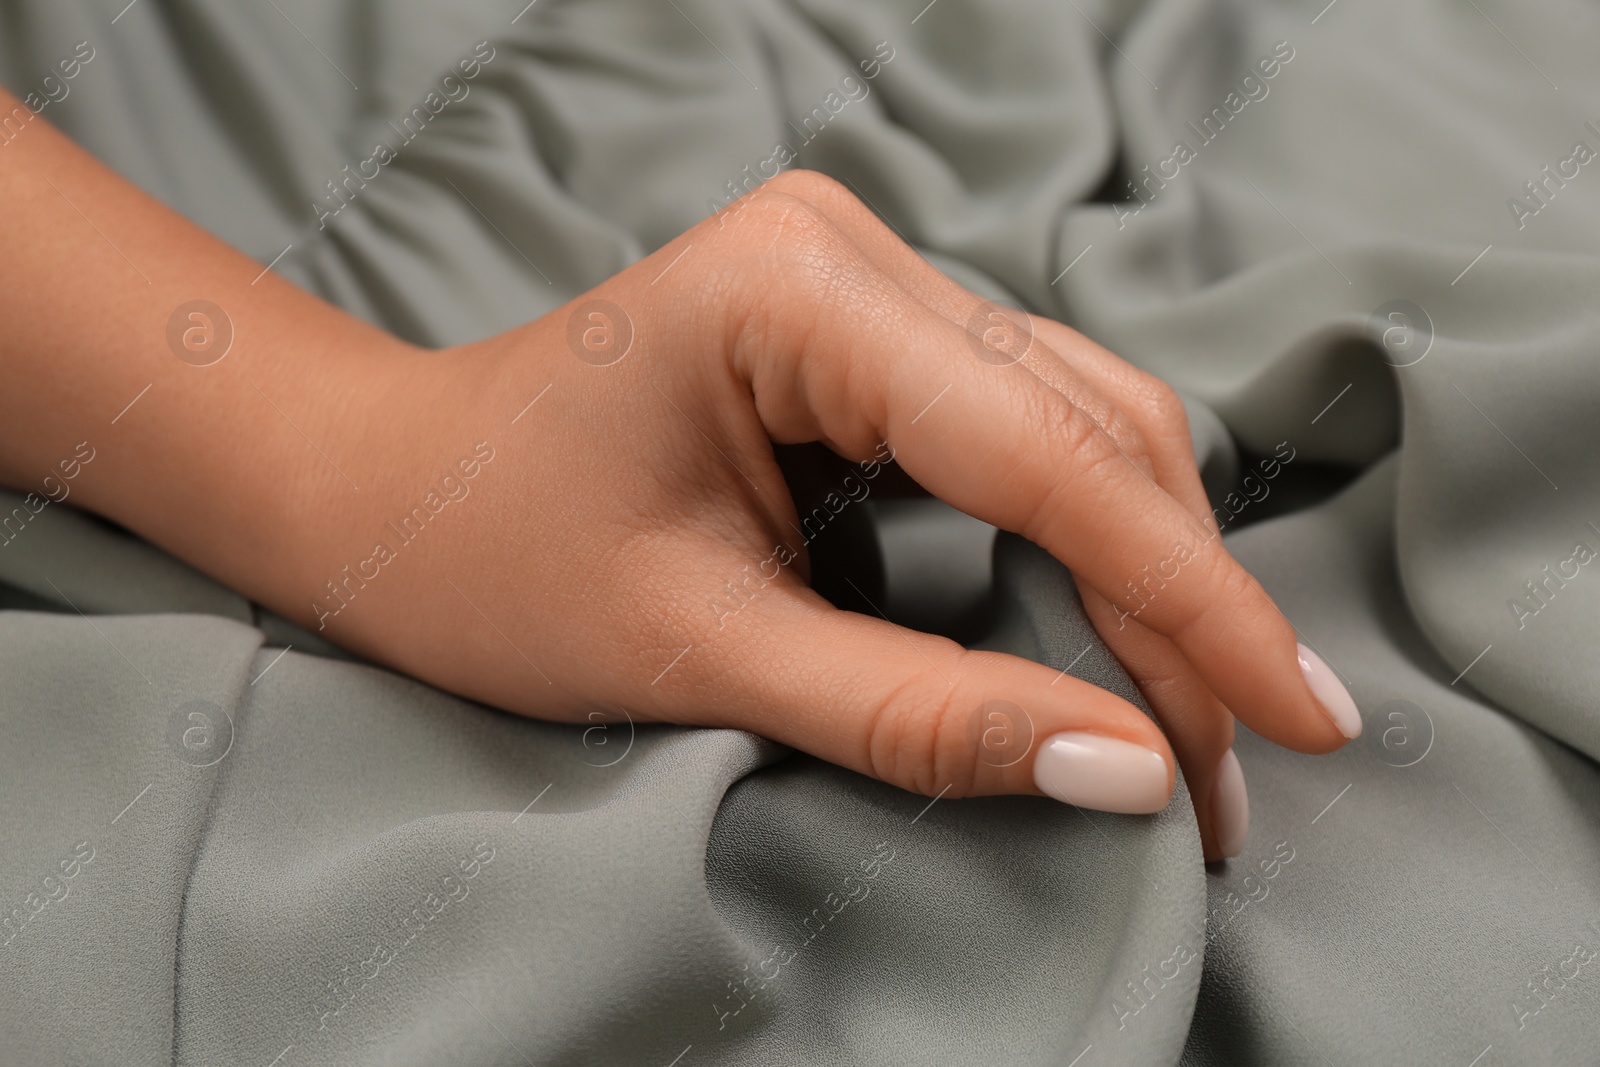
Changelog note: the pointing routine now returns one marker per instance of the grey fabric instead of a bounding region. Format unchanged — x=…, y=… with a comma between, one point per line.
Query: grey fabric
x=263, y=831
x=1427, y=895
x=1442, y=863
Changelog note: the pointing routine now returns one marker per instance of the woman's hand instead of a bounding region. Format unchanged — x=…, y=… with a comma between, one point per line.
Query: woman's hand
x=631, y=544
x=585, y=515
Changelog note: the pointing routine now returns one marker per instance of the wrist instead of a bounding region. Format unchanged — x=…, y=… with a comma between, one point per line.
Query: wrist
x=248, y=468
x=407, y=435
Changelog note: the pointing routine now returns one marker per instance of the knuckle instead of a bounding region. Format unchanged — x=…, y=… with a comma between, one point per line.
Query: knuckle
x=777, y=219
x=778, y=261
x=1168, y=416
x=1166, y=405
x=1232, y=597
x=1091, y=452
x=1239, y=586
x=1080, y=453
x=785, y=245
x=809, y=185
x=917, y=737
x=1121, y=429
x=840, y=204
x=1051, y=505
x=1080, y=435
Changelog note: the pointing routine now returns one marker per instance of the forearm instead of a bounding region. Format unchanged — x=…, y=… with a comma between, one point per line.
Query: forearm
x=208, y=459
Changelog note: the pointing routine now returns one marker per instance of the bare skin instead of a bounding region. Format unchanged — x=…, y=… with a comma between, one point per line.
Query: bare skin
x=576, y=574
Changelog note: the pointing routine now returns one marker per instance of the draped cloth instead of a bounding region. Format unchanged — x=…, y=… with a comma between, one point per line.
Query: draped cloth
x=1352, y=234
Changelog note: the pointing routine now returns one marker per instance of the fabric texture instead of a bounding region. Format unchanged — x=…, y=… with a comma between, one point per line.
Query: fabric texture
x=1371, y=269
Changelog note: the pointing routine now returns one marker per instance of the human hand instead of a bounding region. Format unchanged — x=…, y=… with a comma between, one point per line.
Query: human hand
x=510, y=521
x=582, y=567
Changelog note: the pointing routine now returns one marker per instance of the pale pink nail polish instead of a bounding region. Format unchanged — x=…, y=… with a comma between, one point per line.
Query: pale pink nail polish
x=1103, y=773
x=1230, y=806
x=1330, y=692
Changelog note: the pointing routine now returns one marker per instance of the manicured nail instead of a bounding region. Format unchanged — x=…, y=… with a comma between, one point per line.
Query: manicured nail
x=1230, y=806
x=1103, y=773
x=1330, y=692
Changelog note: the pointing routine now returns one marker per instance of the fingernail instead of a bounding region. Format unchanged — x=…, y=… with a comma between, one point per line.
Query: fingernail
x=1230, y=806
x=1102, y=773
x=1330, y=692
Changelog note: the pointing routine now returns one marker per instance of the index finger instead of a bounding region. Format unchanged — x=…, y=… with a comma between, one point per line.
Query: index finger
x=973, y=424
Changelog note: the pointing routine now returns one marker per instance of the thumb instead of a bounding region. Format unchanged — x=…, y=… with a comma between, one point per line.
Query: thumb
x=923, y=713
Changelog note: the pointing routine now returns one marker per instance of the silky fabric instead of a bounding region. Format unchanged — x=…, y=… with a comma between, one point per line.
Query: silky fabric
x=1371, y=271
